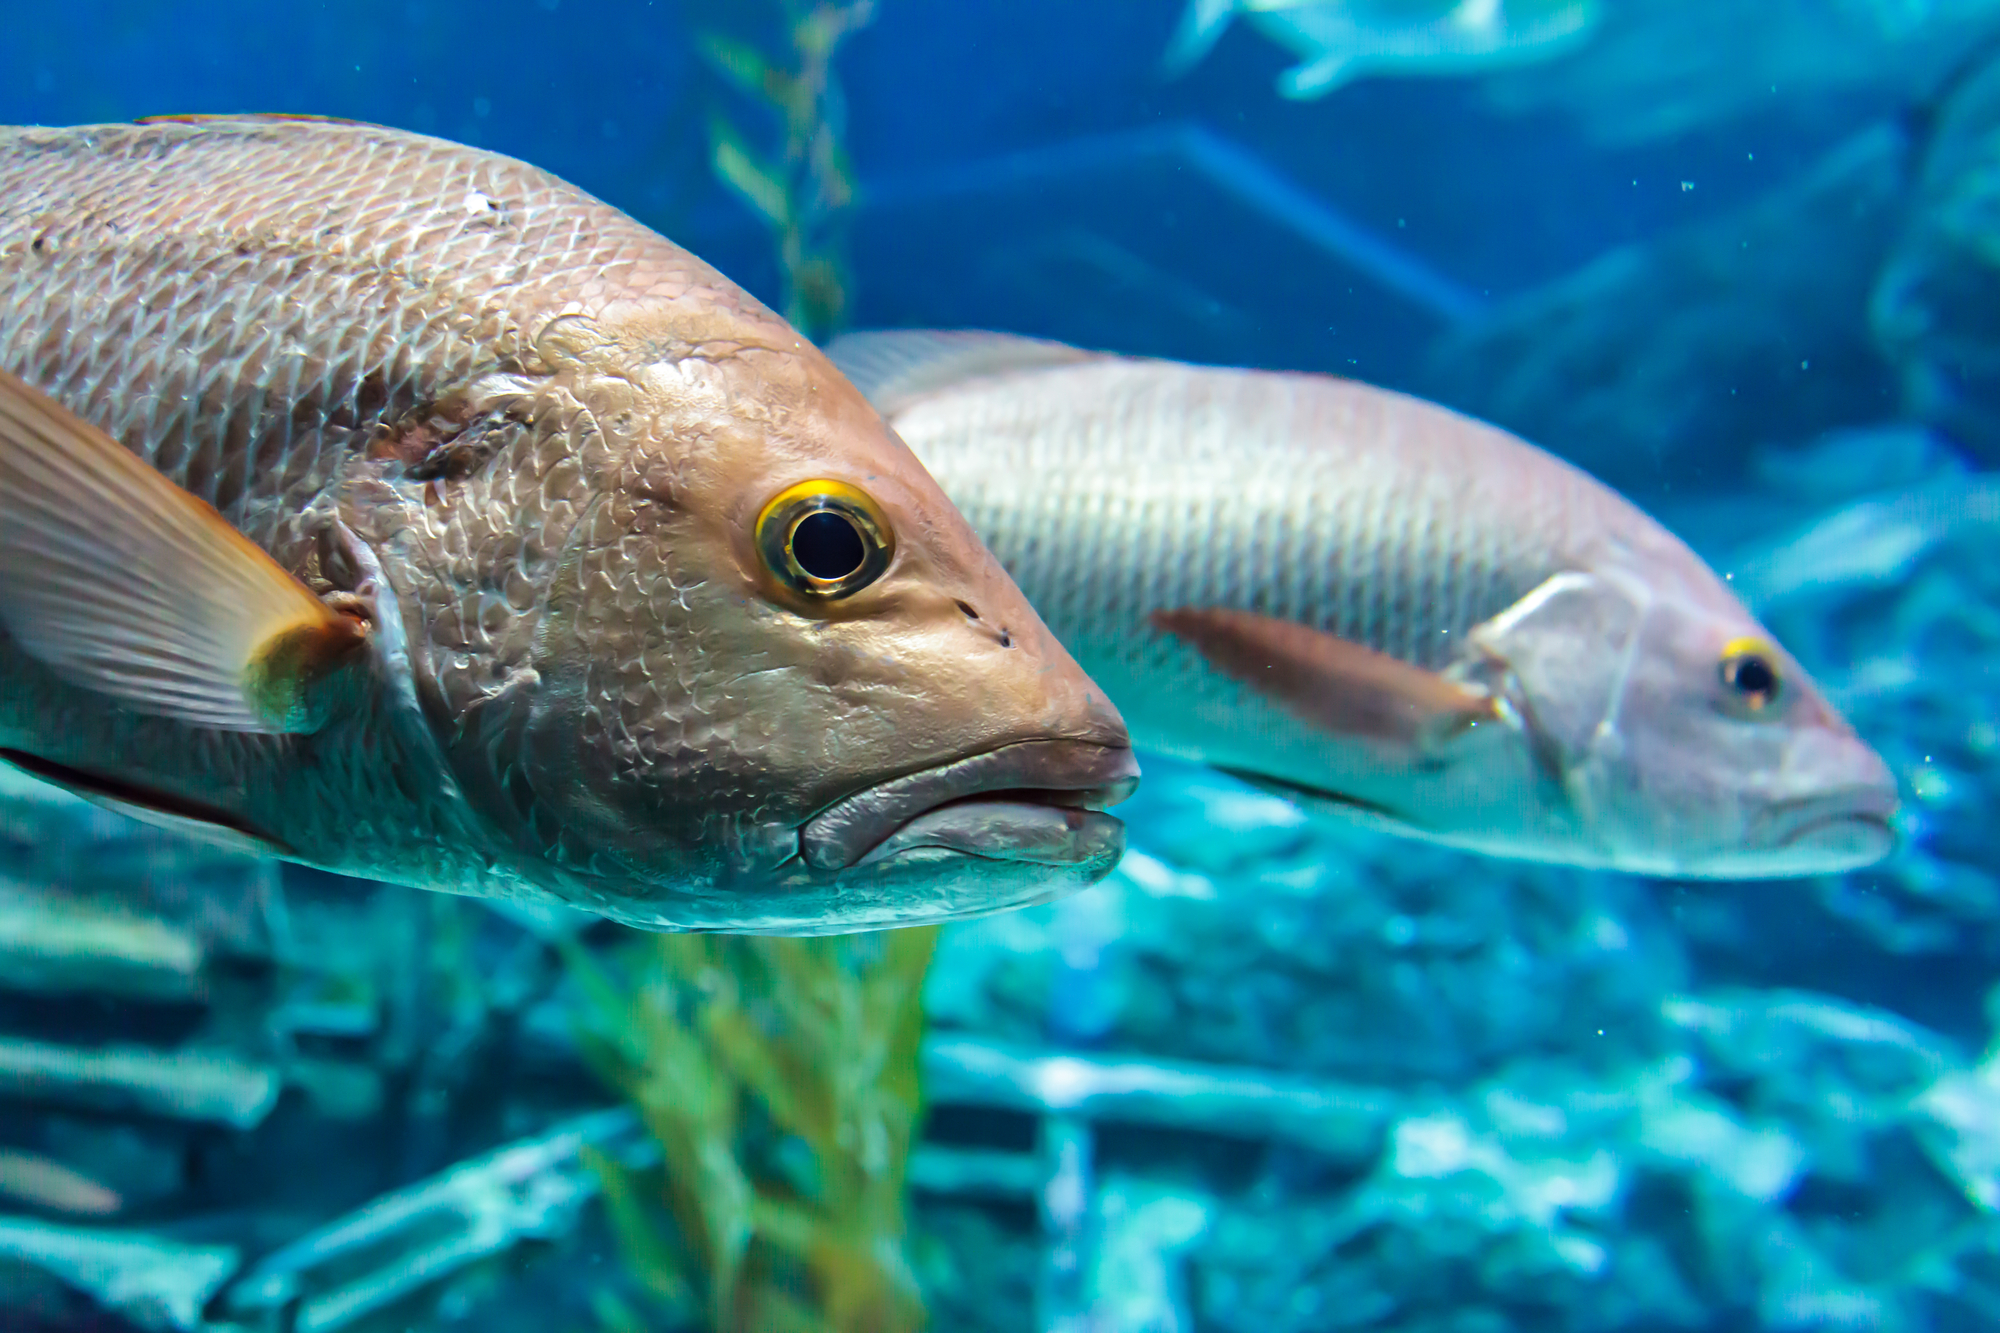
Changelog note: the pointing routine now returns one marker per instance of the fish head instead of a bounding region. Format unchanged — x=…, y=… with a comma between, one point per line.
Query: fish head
x=776, y=683
x=1681, y=738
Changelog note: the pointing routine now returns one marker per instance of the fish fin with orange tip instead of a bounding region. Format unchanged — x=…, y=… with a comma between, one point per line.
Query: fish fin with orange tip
x=1342, y=688
x=124, y=583
x=894, y=367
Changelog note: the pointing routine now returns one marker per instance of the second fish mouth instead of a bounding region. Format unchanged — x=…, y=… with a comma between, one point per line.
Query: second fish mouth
x=1030, y=801
x=1794, y=820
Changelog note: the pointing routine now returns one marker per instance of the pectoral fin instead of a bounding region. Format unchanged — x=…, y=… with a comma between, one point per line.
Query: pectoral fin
x=134, y=588
x=1341, y=688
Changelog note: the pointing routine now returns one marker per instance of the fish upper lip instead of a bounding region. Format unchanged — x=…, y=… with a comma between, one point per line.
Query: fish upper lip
x=1076, y=774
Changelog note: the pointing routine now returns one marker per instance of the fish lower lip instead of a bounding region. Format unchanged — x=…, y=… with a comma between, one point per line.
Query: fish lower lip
x=1841, y=831
x=1854, y=821
x=1003, y=830
x=1802, y=819
x=1032, y=801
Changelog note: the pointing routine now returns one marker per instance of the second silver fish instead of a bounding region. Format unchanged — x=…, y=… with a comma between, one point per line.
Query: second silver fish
x=1385, y=609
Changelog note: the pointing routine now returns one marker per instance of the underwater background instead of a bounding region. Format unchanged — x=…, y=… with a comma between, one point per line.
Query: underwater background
x=1740, y=260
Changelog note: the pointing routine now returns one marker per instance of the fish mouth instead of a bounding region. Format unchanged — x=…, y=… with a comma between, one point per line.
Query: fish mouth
x=1038, y=801
x=1853, y=827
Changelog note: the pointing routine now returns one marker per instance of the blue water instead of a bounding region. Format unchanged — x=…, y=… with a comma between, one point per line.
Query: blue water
x=1269, y=1076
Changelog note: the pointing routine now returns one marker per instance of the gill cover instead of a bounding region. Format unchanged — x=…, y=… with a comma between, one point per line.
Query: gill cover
x=1560, y=658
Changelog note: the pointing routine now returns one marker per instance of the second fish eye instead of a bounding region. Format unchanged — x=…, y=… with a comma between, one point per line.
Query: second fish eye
x=1750, y=673
x=824, y=539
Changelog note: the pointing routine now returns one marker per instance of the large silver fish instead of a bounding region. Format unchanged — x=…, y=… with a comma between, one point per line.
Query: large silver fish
x=397, y=508
x=1386, y=609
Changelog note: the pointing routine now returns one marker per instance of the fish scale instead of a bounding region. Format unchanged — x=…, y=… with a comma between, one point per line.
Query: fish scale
x=1412, y=568
x=179, y=222
x=1381, y=555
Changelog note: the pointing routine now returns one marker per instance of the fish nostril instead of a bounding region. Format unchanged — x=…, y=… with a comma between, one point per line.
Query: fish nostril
x=1006, y=636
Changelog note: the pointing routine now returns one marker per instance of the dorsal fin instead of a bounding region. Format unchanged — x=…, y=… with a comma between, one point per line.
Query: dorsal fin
x=894, y=367
x=252, y=117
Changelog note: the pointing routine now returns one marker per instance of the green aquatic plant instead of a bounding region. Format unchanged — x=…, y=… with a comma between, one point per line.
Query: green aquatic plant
x=804, y=189
x=780, y=1078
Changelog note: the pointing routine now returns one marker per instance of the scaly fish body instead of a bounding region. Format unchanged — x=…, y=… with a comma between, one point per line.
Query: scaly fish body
x=527, y=445
x=1382, y=606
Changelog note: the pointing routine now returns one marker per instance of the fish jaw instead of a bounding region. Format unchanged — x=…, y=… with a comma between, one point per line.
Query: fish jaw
x=918, y=887
x=1016, y=826
x=1843, y=819
x=1034, y=801
x=1825, y=835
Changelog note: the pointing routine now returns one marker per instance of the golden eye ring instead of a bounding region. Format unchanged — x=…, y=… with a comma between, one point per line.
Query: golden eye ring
x=825, y=539
x=1750, y=674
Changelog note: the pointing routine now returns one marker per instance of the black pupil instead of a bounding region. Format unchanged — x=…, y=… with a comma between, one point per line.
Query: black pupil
x=827, y=545
x=1753, y=675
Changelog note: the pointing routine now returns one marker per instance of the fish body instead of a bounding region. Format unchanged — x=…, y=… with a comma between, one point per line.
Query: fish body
x=1385, y=609
x=397, y=508
x=1339, y=41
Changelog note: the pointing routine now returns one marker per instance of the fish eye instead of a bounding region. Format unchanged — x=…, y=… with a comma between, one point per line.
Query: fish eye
x=1750, y=674
x=824, y=539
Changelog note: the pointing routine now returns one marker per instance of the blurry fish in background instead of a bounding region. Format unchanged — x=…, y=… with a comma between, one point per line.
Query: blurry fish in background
x=396, y=508
x=1339, y=41
x=1660, y=68
x=1385, y=610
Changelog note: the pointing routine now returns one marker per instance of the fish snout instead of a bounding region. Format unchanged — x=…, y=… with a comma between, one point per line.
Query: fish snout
x=1092, y=717
x=1070, y=703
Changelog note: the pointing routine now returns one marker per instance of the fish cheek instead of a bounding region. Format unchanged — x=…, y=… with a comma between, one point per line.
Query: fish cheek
x=657, y=737
x=610, y=748
x=1682, y=779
